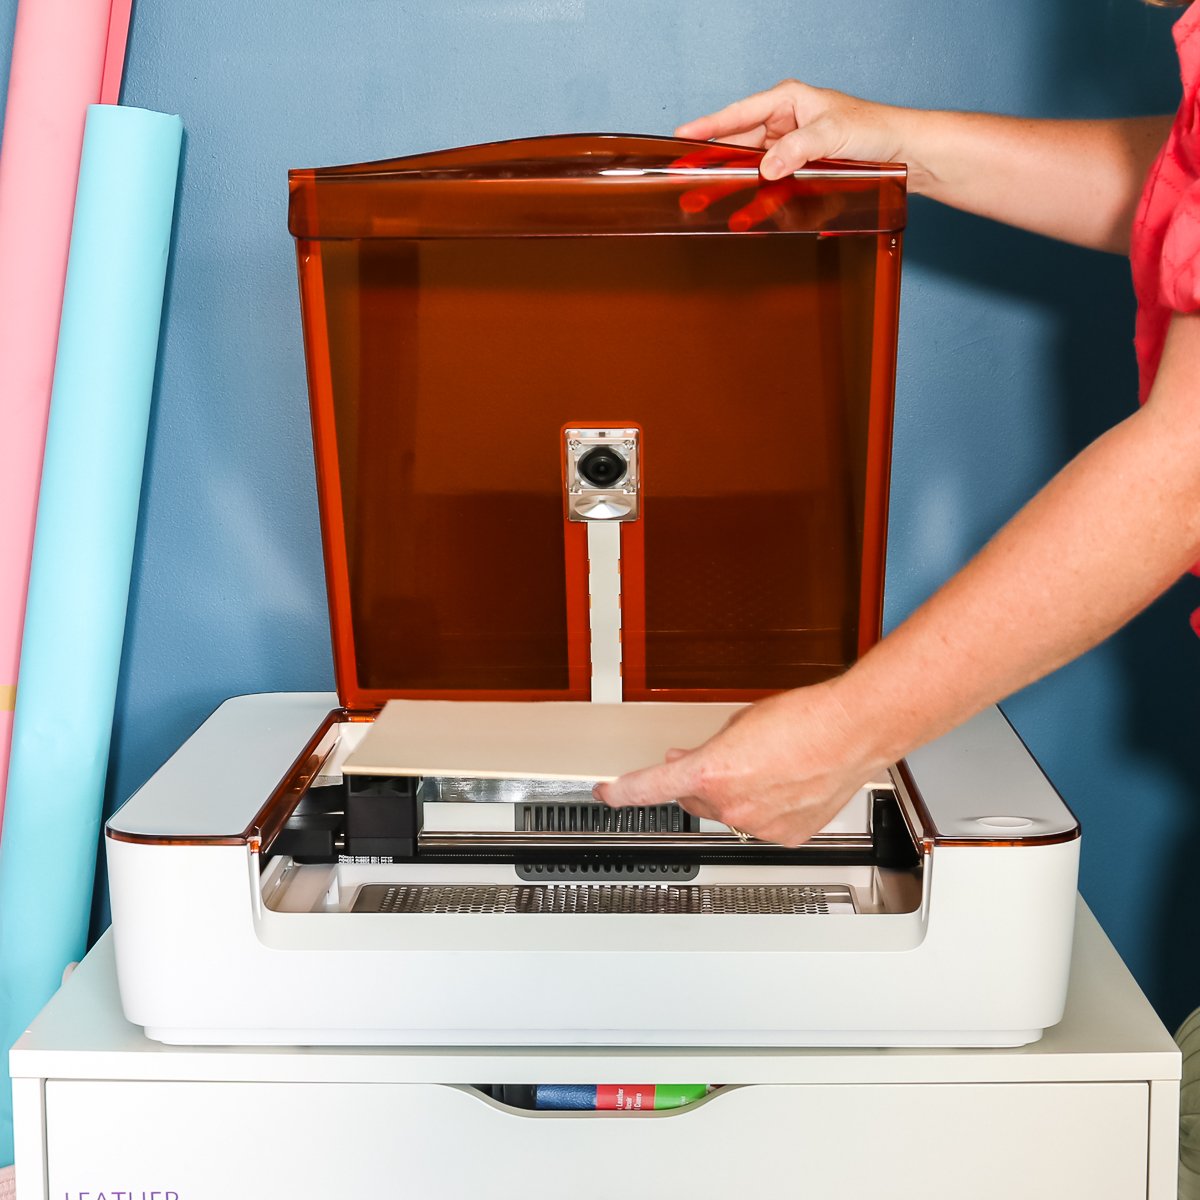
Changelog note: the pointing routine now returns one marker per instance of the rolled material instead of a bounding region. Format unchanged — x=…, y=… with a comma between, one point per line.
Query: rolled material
x=66, y=55
x=82, y=557
x=114, y=52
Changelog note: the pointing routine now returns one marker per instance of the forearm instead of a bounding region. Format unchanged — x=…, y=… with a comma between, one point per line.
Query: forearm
x=1113, y=530
x=1078, y=181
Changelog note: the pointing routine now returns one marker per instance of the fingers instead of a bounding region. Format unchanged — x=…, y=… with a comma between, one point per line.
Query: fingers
x=754, y=139
x=787, y=154
x=653, y=785
x=736, y=118
x=793, y=122
x=751, y=139
x=791, y=152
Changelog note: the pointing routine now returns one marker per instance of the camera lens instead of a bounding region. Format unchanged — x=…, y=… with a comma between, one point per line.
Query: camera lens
x=602, y=467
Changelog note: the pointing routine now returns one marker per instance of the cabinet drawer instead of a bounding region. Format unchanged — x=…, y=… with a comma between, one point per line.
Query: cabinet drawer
x=310, y=1141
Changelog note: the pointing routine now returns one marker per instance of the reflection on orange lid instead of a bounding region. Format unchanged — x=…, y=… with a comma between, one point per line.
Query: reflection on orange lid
x=588, y=185
x=461, y=309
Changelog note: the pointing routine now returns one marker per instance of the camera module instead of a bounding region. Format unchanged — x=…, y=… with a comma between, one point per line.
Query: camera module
x=602, y=467
x=602, y=473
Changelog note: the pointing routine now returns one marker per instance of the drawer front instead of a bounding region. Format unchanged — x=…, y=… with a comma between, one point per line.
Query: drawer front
x=228, y=1141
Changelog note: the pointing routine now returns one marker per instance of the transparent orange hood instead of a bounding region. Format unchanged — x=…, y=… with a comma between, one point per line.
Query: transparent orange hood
x=462, y=309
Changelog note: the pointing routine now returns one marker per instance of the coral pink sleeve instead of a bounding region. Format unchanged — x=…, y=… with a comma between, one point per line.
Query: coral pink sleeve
x=1179, y=278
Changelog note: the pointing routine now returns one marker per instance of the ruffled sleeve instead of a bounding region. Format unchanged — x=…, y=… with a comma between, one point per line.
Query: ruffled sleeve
x=1179, y=278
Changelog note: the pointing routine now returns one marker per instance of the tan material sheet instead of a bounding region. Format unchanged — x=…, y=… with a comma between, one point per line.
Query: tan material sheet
x=548, y=740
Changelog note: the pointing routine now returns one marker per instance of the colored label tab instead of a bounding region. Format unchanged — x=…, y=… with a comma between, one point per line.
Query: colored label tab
x=645, y=1097
x=676, y=1095
x=625, y=1097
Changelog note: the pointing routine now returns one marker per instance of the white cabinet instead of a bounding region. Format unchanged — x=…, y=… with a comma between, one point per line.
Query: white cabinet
x=1088, y=1112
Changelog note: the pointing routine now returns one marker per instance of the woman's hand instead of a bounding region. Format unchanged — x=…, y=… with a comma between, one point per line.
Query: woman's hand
x=1074, y=180
x=780, y=770
x=796, y=123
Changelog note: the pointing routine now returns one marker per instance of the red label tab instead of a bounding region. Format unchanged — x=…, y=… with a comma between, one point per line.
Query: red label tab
x=627, y=1097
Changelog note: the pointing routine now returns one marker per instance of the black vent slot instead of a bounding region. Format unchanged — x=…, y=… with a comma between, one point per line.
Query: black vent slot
x=608, y=868
x=599, y=818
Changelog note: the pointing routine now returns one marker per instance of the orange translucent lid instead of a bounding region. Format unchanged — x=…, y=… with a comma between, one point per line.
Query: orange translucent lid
x=590, y=184
x=464, y=310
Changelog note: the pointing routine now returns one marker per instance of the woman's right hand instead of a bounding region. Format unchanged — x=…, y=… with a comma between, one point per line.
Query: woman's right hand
x=796, y=123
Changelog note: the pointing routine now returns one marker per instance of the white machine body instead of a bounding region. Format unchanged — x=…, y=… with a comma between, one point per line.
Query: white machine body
x=218, y=942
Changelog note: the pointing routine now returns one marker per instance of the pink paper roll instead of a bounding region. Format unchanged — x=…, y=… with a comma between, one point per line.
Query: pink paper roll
x=114, y=53
x=66, y=54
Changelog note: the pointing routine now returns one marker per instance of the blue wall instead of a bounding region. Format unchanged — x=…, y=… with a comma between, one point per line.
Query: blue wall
x=1014, y=353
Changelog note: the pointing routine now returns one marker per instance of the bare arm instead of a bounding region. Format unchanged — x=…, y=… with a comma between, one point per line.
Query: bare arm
x=1114, y=529
x=1078, y=181
x=1107, y=535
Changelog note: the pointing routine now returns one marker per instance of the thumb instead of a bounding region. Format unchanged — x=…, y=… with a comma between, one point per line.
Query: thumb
x=791, y=152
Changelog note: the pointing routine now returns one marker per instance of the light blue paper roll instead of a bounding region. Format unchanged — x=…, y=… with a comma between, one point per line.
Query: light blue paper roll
x=82, y=558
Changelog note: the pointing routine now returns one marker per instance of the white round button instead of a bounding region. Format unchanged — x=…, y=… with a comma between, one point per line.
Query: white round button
x=1004, y=822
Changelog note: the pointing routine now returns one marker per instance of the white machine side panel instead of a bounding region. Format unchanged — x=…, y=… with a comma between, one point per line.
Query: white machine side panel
x=213, y=785
x=979, y=781
x=310, y=1142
